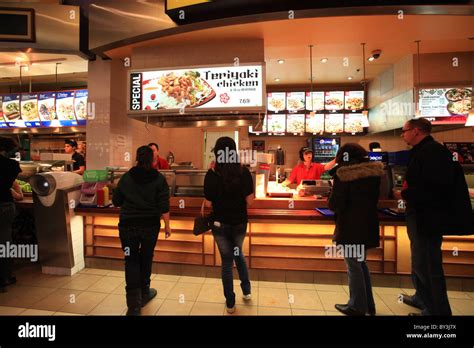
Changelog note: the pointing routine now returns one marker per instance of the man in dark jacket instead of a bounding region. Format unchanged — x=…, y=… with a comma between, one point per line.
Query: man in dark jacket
x=143, y=195
x=437, y=203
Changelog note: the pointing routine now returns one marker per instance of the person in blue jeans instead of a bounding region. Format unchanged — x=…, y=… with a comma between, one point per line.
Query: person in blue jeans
x=354, y=199
x=228, y=187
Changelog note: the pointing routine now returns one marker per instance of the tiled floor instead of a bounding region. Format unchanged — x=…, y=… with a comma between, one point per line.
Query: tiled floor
x=101, y=292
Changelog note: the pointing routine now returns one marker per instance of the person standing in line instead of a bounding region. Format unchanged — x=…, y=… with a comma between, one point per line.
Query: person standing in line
x=158, y=162
x=354, y=199
x=8, y=190
x=437, y=203
x=143, y=197
x=228, y=187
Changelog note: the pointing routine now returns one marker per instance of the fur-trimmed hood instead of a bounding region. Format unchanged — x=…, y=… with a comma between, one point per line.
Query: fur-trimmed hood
x=360, y=171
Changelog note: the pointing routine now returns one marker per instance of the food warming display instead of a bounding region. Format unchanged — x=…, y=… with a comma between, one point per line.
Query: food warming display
x=317, y=101
x=276, y=101
x=315, y=123
x=276, y=123
x=295, y=123
x=334, y=123
x=334, y=100
x=295, y=101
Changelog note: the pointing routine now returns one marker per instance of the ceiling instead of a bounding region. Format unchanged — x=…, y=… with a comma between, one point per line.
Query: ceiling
x=335, y=38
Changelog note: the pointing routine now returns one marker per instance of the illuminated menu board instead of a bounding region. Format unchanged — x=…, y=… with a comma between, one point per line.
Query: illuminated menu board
x=276, y=102
x=353, y=123
x=3, y=124
x=276, y=123
x=80, y=106
x=29, y=110
x=315, y=123
x=295, y=123
x=445, y=102
x=11, y=109
x=65, y=108
x=47, y=109
x=295, y=101
x=317, y=102
x=354, y=100
x=334, y=101
x=334, y=123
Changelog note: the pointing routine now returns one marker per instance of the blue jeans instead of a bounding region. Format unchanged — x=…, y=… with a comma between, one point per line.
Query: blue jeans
x=229, y=239
x=427, y=270
x=360, y=286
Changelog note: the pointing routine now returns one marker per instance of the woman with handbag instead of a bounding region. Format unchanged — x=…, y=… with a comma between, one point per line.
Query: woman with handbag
x=143, y=197
x=228, y=186
x=354, y=199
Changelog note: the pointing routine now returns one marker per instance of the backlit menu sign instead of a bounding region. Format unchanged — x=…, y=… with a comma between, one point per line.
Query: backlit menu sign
x=295, y=123
x=334, y=123
x=29, y=110
x=65, y=108
x=11, y=109
x=276, y=102
x=276, y=123
x=315, y=123
x=80, y=106
x=3, y=124
x=353, y=123
x=295, y=101
x=334, y=101
x=316, y=103
x=354, y=100
x=212, y=88
x=47, y=109
x=444, y=102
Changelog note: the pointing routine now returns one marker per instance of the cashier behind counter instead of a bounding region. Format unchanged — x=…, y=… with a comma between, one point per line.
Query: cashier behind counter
x=307, y=170
x=79, y=164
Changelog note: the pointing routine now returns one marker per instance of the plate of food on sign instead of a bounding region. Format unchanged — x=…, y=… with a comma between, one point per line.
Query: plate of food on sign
x=459, y=101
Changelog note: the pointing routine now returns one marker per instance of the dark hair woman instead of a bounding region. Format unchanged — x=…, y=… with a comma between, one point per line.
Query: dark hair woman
x=143, y=195
x=229, y=187
x=8, y=174
x=354, y=200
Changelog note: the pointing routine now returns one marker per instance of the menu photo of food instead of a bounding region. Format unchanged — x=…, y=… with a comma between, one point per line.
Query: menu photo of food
x=314, y=123
x=459, y=101
x=65, y=106
x=80, y=104
x=334, y=100
x=295, y=123
x=47, y=106
x=276, y=123
x=445, y=102
x=11, y=107
x=295, y=101
x=334, y=123
x=353, y=123
x=316, y=103
x=29, y=107
x=354, y=100
x=276, y=101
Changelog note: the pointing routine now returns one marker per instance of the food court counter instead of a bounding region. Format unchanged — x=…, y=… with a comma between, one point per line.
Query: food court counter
x=282, y=233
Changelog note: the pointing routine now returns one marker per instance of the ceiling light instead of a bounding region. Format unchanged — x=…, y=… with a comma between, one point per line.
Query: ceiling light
x=371, y=59
x=280, y=61
x=277, y=79
x=324, y=60
x=375, y=55
x=349, y=77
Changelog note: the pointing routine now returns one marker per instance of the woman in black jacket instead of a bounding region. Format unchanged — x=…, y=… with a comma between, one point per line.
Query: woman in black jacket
x=143, y=195
x=354, y=200
x=229, y=186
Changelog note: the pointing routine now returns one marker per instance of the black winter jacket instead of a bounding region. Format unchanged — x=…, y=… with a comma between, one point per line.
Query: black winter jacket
x=354, y=199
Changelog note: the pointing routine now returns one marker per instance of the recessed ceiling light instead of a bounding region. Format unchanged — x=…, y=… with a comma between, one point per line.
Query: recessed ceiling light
x=277, y=79
x=349, y=77
x=324, y=60
x=280, y=61
x=371, y=59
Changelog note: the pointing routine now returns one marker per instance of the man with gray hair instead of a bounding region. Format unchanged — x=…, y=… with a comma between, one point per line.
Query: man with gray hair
x=438, y=204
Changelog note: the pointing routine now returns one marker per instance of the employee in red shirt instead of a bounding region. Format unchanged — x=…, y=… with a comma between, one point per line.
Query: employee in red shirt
x=158, y=162
x=307, y=170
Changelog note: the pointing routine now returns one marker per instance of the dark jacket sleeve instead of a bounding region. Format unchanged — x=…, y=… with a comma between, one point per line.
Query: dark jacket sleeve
x=210, y=186
x=163, y=195
x=337, y=199
x=117, y=197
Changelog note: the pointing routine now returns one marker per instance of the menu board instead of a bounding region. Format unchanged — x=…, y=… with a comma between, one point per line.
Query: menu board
x=47, y=109
x=353, y=123
x=80, y=106
x=354, y=100
x=230, y=87
x=318, y=101
x=315, y=123
x=444, y=102
x=29, y=110
x=295, y=123
x=276, y=123
x=11, y=110
x=65, y=108
x=334, y=123
x=276, y=101
x=334, y=101
x=295, y=101
x=3, y=124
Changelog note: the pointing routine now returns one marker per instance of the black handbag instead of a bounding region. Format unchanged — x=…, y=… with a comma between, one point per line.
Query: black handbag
x=202, y=223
